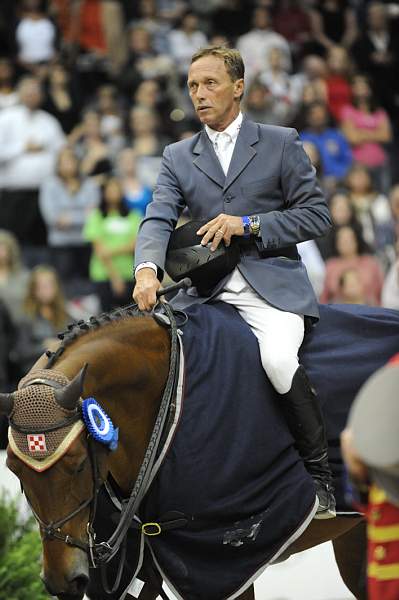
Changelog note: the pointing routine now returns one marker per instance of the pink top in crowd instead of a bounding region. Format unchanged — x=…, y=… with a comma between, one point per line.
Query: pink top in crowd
x=370, y=154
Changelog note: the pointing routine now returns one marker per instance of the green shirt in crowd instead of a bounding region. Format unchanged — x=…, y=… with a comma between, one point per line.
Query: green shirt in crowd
x=112, y=230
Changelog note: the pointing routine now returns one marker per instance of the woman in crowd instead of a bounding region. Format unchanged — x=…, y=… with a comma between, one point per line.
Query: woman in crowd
x=372, y=211
x=342, y=213
x=45, y=316
x=61, y=98
x=333, y=22
x=367, y=128
x=144, y=126
x=136, y=195
x=111, y=119
x=112, y=231
x=338, y=88
x=90, y=147
x=351, y=253
x=65, y=202
x=13, y=276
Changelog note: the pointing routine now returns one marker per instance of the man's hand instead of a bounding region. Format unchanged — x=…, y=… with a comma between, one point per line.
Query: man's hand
x=221, y=228
x=146, y=287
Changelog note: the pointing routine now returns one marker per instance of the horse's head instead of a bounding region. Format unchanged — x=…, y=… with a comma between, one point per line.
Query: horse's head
x=60, y=468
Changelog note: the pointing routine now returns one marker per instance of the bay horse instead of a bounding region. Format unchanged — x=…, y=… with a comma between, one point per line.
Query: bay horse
x=129, y=364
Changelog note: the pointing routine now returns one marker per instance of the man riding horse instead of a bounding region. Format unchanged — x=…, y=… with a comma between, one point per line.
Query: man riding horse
x=250, y=184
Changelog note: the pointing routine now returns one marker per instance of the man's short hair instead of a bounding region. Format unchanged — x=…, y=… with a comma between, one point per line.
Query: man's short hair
x=230, y=56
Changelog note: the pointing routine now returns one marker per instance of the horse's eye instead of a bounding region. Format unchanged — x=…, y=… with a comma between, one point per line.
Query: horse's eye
x=81, y=466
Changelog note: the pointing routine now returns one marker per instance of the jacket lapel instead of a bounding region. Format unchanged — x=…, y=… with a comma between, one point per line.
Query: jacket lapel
x=207, y=161
x=243, y=151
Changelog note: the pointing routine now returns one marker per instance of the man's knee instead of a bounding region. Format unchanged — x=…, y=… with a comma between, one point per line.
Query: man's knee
x=280, y=369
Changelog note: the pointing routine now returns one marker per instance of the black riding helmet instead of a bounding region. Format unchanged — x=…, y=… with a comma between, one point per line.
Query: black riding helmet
x=186, y=257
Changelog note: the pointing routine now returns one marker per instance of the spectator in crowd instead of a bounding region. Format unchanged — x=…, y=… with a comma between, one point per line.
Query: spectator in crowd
x=342, y=213
x=376, y=53
x=263, y=107
x=90, y=146
x=351, y=288
x=144, y=130
x=333, y=22
x=150, y=94
x=97, y=28
x=111, y=118
x=29, y=142
x=291, y=20
x=136, y=195
x=62, y=100
x=66, y=199
x=8, y=93
x=45, y=316
x=184, y=40
x=143, y=61
x=367, y=127
x=338, y=88
x=148, y=17
x=350, y=253
x=254, y=46
x=112, y=231
x=334, y=150
x=311, y=75
x=372, y=211
x=276, y=77
x=36, y=37
x=13, y=275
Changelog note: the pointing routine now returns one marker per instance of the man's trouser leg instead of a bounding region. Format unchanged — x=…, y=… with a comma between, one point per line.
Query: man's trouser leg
x=280, y=335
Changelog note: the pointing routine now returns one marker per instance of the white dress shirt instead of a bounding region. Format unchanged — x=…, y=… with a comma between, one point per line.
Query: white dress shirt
x=19, y=126
x=223, y=143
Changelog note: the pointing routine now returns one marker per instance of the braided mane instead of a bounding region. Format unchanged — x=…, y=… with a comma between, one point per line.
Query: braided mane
x=79, y=328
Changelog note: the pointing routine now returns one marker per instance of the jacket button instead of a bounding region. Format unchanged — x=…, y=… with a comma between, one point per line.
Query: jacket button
x=228, y=198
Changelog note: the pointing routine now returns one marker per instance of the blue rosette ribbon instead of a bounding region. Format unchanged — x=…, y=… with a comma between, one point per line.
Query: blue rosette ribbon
x=98, y=423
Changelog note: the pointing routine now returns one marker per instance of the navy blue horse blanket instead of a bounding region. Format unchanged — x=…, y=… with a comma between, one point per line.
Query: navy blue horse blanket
x=231, y=467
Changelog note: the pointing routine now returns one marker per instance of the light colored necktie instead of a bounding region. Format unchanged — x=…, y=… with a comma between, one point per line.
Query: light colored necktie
x=222, y=143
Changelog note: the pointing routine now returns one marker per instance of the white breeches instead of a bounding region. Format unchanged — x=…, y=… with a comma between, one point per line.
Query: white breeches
x=280, y=334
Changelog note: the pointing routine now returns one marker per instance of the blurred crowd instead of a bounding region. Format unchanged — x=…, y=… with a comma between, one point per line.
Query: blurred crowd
x=91, y=91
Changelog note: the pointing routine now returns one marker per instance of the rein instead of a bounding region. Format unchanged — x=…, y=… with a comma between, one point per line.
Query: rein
x=101, y=553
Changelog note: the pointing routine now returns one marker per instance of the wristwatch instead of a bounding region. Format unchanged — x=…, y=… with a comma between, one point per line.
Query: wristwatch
x=254, y=225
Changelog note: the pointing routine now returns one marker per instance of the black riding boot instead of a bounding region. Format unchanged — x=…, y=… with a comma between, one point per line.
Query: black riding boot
x=305, y=422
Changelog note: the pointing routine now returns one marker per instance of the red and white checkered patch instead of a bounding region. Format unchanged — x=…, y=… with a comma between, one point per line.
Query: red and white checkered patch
x=36, y=442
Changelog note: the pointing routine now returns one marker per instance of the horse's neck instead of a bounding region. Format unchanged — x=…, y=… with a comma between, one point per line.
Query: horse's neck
x=126, y=374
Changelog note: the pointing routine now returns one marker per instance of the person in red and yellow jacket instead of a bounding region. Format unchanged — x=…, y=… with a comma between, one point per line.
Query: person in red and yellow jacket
x=370, y=446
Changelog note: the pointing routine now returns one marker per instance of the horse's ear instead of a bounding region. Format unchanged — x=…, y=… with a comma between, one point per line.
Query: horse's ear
x=6, y=404
x=68, y=396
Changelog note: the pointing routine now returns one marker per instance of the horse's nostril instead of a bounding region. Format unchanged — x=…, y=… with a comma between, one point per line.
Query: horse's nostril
x=79, y=584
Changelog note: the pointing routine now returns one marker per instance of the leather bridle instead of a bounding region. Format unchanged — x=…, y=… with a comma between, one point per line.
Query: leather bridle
x=101, y=553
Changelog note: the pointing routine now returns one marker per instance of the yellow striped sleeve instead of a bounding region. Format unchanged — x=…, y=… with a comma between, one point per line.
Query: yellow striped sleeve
x=383, y=572
x=389, y=533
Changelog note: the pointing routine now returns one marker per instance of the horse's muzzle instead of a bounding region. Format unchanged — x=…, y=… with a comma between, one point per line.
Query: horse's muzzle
x=74, y=588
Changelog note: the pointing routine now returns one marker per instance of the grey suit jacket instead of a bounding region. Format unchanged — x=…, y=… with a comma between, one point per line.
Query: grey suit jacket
x=269, y=175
